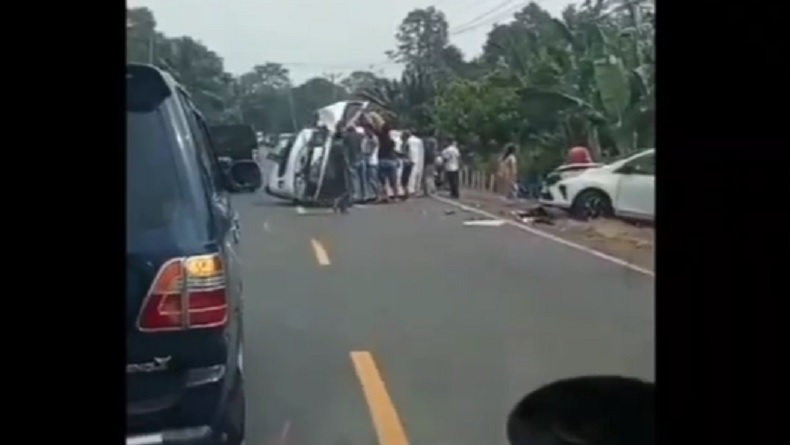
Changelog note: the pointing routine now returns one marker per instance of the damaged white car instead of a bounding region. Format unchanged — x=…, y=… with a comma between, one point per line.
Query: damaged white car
x=625, y=188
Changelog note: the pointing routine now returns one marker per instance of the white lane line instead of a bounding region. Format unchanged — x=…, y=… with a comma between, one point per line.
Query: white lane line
x=551, y=237
x=300, y=210
x=266, y=226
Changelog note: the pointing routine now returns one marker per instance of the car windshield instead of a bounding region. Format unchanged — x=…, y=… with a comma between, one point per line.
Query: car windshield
x=152, y=191
x=622, y=157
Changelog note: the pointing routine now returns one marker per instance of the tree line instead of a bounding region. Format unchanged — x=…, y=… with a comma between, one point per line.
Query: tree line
x=546, y=83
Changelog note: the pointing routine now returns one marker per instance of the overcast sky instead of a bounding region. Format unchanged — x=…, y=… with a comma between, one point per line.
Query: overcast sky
x=319, y=37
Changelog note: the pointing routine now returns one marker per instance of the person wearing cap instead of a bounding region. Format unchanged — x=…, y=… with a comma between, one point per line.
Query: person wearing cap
x=579, y=155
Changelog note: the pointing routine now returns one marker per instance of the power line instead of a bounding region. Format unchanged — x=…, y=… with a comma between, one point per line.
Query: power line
x=482, y=16
x=337, y=66
x=491, y=20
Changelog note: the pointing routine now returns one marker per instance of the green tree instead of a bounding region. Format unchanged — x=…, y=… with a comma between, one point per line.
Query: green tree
x=583, y=78
x=359, y=81
x=421, y=38
x=141, y=35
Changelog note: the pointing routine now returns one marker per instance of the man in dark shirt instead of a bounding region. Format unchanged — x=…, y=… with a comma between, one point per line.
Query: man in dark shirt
x=430, y=152
x=388, y=163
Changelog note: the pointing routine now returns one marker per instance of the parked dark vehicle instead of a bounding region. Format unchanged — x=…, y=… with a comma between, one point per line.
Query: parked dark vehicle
x=237, y=142
x=234, y=141
x=184, y=355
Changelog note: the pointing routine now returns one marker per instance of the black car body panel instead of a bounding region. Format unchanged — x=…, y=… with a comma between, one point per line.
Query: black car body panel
x=176, y=208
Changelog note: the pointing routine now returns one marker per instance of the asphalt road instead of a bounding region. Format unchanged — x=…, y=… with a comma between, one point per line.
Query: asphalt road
x=399, y=324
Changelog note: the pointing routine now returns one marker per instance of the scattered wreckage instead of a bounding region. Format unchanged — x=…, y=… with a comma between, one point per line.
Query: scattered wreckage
x=589, y=190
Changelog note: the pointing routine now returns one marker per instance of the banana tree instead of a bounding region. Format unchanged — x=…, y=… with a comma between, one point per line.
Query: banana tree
x=408, y=101
x=606, y=81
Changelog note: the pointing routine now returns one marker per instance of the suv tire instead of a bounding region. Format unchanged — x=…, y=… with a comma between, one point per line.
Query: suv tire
x=233, y=419
x=591, y=204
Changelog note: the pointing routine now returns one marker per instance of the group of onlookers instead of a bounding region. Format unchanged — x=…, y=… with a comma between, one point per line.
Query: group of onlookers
x=376, y=171
x=379, y=172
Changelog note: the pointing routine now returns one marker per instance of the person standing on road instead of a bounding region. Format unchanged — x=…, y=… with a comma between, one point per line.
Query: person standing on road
x=388, y=162
x=353, y=139
x=370, y=152
x=412, y=147
x=386, y=156
x=428, y=180
x=337, y=182
x=508, y=171
x=451, y=158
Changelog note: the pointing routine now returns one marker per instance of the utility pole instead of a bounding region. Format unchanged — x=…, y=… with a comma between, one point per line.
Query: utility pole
x=151, y=42
x=151, y=48
x=291, y=106
x=333, y=78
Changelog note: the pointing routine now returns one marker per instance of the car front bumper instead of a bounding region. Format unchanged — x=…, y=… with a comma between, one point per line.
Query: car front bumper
x=552, y=197
x=202, y=435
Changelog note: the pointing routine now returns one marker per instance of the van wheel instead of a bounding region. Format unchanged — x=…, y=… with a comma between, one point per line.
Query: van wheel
x=233, y=419
x=591, y=204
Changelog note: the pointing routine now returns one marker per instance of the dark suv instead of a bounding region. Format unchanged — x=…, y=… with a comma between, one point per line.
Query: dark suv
x=184, y=379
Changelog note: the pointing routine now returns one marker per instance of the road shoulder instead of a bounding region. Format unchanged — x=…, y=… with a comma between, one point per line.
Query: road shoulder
x=622, y=241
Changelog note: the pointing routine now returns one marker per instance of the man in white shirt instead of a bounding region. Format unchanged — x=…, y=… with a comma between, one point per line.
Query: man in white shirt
x=370, y=151
x=413, y=148
x=451, y=160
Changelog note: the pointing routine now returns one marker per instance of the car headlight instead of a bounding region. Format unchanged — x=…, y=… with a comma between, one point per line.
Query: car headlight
x=552, y=179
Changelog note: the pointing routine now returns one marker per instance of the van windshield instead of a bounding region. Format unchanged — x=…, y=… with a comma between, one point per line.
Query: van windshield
x=284, y=146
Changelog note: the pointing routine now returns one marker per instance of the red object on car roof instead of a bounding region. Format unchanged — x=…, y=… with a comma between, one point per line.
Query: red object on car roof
x=579, y=155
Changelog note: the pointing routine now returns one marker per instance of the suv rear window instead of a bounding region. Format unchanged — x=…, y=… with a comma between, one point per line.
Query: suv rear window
x=153, y=191
x=163, y=210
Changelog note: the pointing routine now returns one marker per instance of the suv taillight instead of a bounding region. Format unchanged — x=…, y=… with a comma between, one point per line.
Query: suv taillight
x=187, y=293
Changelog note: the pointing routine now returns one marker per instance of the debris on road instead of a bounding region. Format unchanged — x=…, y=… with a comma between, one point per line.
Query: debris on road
x=449, y=212
x=484, y=222
x=616, y=237
x=535, y=215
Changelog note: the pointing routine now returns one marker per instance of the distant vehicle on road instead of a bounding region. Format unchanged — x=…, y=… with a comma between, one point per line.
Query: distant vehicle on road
x=625, y=188
x=184, y=353
x=238, y=143
x=234, y=141
x=301, y=165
